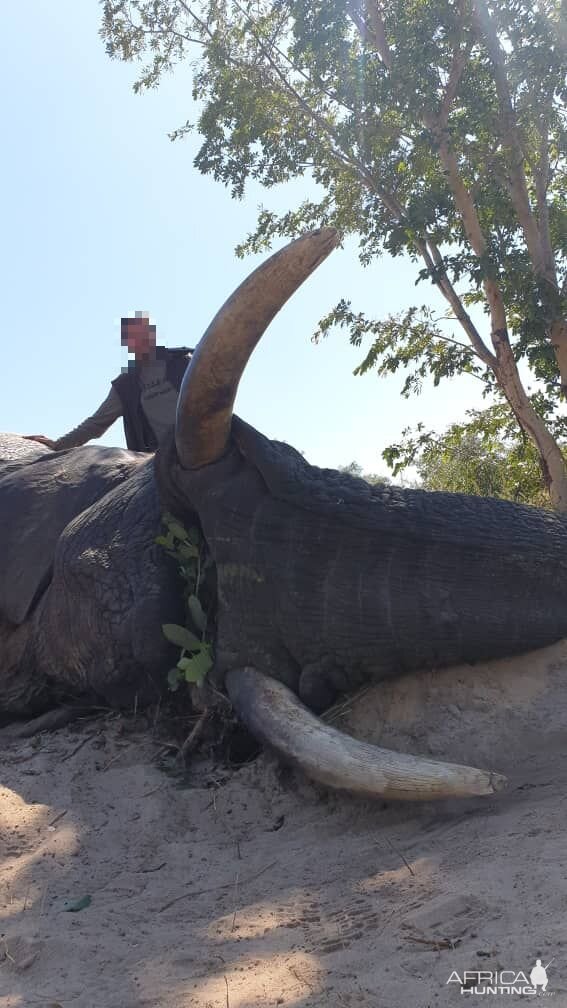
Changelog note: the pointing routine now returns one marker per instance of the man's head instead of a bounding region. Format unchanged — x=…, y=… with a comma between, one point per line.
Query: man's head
x=138, y=335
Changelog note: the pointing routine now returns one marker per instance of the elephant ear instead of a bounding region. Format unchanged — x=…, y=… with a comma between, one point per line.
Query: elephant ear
x=39, y=499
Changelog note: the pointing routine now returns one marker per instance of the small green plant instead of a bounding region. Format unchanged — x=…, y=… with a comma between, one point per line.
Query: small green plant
x=187, y=548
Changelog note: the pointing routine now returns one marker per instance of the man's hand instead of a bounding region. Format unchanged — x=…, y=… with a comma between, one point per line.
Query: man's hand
x=42, y=440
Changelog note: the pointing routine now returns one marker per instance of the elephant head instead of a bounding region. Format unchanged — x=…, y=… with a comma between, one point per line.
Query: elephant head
x=325, y=582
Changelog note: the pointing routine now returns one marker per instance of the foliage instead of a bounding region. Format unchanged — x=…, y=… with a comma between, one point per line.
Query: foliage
x=355, y=469
x=485, y=455
x=433, y=129
x=411, y=341
x=186, y=547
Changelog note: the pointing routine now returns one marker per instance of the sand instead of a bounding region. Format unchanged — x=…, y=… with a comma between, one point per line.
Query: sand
x=251, y=887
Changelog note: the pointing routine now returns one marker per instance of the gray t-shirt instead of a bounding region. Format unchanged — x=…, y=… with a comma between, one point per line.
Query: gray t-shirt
x=158, y=399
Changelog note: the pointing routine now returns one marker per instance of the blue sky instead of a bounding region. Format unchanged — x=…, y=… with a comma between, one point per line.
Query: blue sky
x=104, y=215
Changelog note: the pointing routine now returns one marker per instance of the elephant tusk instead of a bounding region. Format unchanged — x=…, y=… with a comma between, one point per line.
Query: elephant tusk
x=277, y=717
x=208, y=391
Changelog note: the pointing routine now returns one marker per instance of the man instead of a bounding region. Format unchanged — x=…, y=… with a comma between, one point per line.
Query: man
x=144, y=395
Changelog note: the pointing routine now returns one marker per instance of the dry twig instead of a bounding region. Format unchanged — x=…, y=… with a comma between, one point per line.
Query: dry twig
x=224, y=885
x=400, y=855
x=193, y=737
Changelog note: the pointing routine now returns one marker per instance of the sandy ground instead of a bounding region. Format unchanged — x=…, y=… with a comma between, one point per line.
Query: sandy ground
x=237, y=889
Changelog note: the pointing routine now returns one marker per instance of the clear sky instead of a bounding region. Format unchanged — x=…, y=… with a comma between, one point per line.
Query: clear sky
x=103, y=215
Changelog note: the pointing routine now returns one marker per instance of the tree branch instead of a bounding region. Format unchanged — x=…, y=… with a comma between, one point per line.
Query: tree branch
x=434, y=261
x=464, y=346
x=310, y=80
x=541, y=174
x=428, y=250
x=466, y=207
x=511, y=138
x=471, y=224
x=371, y=26
x=458, y=64
x=202, y=24
x=378, y=32
x=353, y=9
x=537, y=238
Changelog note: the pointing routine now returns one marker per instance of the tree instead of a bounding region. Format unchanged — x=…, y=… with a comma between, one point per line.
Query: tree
x=460, y=462
x=487, y=455
x=355, y=469
x=435, y=128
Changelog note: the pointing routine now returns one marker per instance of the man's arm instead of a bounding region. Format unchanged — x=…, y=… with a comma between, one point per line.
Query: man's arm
x=93, y=427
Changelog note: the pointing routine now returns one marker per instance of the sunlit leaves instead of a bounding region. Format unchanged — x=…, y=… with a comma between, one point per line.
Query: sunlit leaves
x=286, y=88
x=186, y=547
x=485, y=455
x=411, y=341
x=293, y=86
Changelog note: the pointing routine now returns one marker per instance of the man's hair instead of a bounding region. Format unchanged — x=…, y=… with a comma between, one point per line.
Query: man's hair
x=125, y=322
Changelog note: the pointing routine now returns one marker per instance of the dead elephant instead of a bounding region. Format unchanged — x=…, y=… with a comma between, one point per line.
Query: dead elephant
x=323, y=582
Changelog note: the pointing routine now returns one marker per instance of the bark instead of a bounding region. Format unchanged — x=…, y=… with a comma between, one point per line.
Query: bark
x=559, y=342
x=367, y=18
x=551, y=459
x=511, y=137
x=503, y=364
x=535, y=230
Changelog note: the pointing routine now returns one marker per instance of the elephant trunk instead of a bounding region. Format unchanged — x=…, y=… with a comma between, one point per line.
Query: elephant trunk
x=208, y=391
x=275, y=716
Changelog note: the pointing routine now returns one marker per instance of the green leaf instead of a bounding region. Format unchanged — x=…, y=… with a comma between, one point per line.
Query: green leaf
x=181, y=636
x=197, y=614
x=177, y=530
x=198, y=665
x=484, y=455
x=73, y=906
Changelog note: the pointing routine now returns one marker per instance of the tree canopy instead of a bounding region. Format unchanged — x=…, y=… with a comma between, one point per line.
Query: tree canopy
x=434, y=129
x=486, y=454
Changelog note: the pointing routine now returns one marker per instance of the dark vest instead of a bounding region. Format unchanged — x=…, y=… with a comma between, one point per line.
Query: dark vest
x=139, y=435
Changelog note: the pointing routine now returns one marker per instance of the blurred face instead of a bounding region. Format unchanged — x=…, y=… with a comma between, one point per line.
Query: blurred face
x=139, y=336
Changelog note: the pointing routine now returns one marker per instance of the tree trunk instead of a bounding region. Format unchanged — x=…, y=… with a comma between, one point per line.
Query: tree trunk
x=559, y=342
x=551, y=458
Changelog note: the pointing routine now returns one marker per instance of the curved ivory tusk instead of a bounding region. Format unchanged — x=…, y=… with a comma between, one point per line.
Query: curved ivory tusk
x=206, y=398
x=277, y=717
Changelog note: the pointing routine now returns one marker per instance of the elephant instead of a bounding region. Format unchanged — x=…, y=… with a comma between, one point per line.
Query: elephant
x=323, y=581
